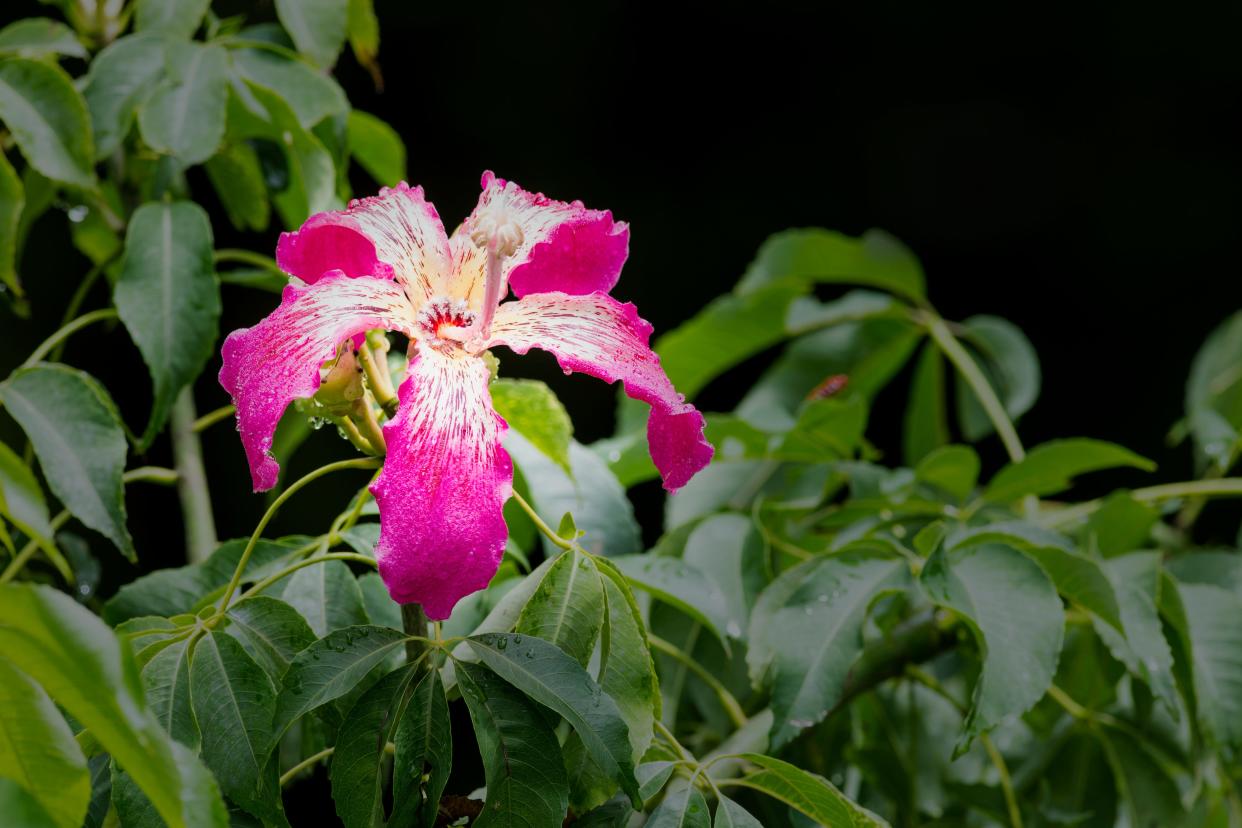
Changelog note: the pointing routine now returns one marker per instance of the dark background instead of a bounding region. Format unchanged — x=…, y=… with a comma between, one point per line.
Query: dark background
x=1074, y=169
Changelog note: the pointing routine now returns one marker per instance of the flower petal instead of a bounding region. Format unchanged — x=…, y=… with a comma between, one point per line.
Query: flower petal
x=277, y=361
x=565, y=247
x=445, y=481
x=600, y=336
x=394, y=235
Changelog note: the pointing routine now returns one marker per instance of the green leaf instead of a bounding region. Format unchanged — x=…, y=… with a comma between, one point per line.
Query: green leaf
x=84, y=668
x=812, y=635
x=826, y=430
x=178, y=18
x=1013, y=610
x=1121, y=525
x=357, y=769
x=567, y=608
x=79, y=442
x=234, y=700
x=120, y=78
x=364, y=39
x=557, y=681
x=1050, y=468
x=812, y=255
x=185, y=115
x=1214, y=394
x=311, y=94
x=927, y=414
x=731, y=815
x=1011, y=365
x=238, y=181
x=424, y=742
x=318, y=27
x=730, y=550
x=1143, y=649
x=1078, y=577
x=1147, y=792
x=952, y=469
x=271, y=631
x=1212, y=638
x=38, y=37
x=381, y=609
x=378, y=149
x=169, y=299
x=38, y=751
x=327, y=596
x=311, y=185
x=12, y=202
x=48, y=119
x=330, y=668
x=805, y=792
x=166, y=681
x=21, y=499
x=598, y=503
x=521, y=758
x=22, y=809
x=681, y=809
x=531, y=409
x=683, y=586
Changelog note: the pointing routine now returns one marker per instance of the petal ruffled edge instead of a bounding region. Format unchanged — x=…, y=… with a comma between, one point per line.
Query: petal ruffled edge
x=445, y=480
x=396, y=234
x=277, y=361
x=565, y=247
x=597, y=335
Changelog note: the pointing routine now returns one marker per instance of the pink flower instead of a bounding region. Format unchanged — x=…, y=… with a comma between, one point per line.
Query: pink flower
x=386, y=262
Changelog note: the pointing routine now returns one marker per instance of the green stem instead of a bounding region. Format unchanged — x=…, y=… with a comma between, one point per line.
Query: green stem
x=672, y=740
x=539, y=523
x=32, y=546
x=158, y=475
x=364, y=463
x=727, y=700
x=289, y=570
x=366, y=428
x=230, y=255
x=1224, y=487
x=378, y=381
x=978, y=383
x=200, y=522
x=414, y=622
x=66, y=331
x=211, y=418
x=308, y=762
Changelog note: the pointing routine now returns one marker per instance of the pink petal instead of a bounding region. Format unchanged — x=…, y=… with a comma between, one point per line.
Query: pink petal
x=277, y=361
x=444, y=483
x=565, y=247
x=600, y=336
x=394, y=235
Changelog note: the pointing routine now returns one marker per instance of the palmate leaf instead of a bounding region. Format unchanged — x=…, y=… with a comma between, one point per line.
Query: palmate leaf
x=557, y=681
x=1010, y=364
x=681, y=809
x=357, y=763
x=424, y=743
x=1144, y=649
x=311, y=95
x=813, y=255
x=807, y=793
x=84, y=668
x=1050, y=468
x=234, y=700
x=330, y=668
x=680, y=585
x=809, y=630
x=377, y=148
x=179, y=18
x=120, y=78
x=327, y=595
x=522, y=761
x=166, y=681
x=79, y=441
x=567, y=608
x=318, y=27
x=169, y=299
x=1201, y=615
x=1214, y=395
x=1013, y=609
x=185, y=115
x=532, y=409
x=12, y=202
x=21, y=808
x=237, y=177
x=47, y=117
x=731, y=815
x=926, y=426
x=37, y=750
x=21, y=499
x=270, y=630
x=38, y=37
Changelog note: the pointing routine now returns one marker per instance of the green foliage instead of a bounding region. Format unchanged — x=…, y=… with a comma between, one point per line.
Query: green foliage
x=952, y=641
